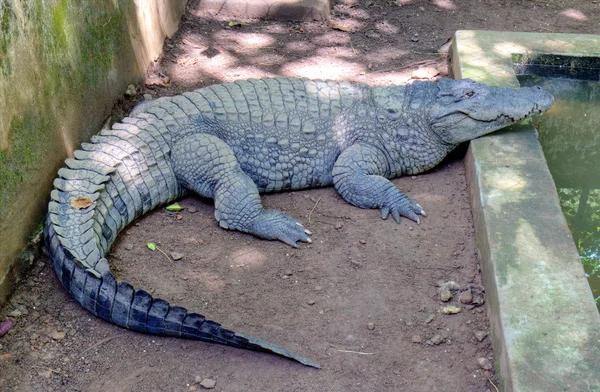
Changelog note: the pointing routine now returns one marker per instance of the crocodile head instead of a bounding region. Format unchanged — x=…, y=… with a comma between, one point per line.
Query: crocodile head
x=464, y=109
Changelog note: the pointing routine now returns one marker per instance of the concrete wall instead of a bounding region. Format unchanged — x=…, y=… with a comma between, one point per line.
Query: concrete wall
x=62, y=66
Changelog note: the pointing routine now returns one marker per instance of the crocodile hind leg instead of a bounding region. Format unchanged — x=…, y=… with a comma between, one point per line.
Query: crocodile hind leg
x=207, y=165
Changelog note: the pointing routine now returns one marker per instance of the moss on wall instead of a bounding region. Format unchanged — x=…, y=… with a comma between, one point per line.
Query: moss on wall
x=63, y=64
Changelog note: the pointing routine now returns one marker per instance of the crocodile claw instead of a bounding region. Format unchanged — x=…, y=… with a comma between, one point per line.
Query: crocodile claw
x=275, y=225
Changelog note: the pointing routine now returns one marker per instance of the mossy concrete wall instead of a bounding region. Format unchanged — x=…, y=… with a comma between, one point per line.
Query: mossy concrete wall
x=63, y=64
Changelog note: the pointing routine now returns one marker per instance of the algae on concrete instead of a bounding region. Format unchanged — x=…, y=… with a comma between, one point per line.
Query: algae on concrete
x=63, y=64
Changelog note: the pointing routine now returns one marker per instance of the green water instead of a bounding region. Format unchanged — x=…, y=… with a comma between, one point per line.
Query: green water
x=570, y=136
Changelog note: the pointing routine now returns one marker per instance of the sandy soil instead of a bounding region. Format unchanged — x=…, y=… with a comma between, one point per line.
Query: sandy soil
x=362, y=301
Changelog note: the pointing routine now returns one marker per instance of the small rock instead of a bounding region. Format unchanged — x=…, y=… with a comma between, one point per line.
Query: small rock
x=372, y=34
x=5, y=326
x=311, y=302
x=58, y=335
x=128, y=246
x=193, y=388
x=484, y=363
x=198, y=379
x=480, y=335
x=417, y=339
x=435, y=340
x=414, y=38
x=208, y=383
x=466, y=297
x=371, y=326
x=45, y=374
x=15, y=313
x=130, y=91
x=176, y=256
x=192, y=210
x=445, y=294
x=338, y=226
x=184, y=277
x=445, y=334
x=429, y=318
x=6, y=357
x=363, y=242
x=148, y=97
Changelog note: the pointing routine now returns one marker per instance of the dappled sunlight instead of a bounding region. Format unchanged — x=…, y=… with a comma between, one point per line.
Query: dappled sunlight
x=401, y=77
x=559, y=45
x=337, y=51
x=445, y=4
x=248, y=257
x=319, y=67
x=300, y=46
x=207, y=281
x=574, y=14
x=246, y=40
x=244, y=72
x=332, y=38
x=504, y=186
x=508, y=48
x=386, y=27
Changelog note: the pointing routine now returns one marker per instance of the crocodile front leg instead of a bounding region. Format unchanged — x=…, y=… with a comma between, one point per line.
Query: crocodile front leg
x=207, y=165
x=359, y=175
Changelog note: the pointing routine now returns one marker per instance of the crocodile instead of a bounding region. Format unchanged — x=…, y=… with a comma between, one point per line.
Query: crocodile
x=231, y=142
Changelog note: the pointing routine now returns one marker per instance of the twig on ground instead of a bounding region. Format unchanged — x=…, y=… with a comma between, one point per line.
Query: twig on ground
x=494, y=385
x=353, y=352
x=99, y=343
x=313, y=209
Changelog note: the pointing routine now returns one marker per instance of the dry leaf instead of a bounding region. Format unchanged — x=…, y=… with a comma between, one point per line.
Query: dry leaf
x=340, y=27
x=451, y=310
x=425, y=73
x=81, y=203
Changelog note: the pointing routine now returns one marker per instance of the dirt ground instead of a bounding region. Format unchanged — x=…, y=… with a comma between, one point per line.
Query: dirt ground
x=362, y=300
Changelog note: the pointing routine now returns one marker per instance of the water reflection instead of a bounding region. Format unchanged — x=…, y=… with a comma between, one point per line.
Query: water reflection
x=570, y=137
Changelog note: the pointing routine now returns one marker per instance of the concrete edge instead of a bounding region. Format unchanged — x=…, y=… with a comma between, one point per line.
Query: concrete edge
x=567, y=363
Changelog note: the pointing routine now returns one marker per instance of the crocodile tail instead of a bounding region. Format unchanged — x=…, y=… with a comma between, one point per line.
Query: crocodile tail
x=120, y=304
x=122, y=174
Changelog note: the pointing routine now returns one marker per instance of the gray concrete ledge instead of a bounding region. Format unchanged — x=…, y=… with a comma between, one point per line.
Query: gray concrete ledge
x=295, y=10
x=545, y=325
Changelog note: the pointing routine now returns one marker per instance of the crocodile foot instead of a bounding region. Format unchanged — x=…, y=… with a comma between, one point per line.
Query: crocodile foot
x=402, y=206
x=275, y=225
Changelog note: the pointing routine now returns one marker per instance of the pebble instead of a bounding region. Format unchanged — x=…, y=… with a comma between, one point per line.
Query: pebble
x=429, y=318
x=208, y=383
x=371, y=326
x=15, y=313
x=58, y=335
x=192, y=210
x=417, y=339
x=128, y=246
x=466, y=297
x=148, y=97
x=338, y=226
x=311, y=302
x=363, y=242
x=445, y=294
x=484, y=363
x=6, y=326
x=435, y=340
x=480, y=335
x=130, y=92
x=177, y=256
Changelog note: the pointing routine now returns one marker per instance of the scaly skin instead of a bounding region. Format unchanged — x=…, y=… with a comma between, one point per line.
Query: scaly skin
x=231, y=142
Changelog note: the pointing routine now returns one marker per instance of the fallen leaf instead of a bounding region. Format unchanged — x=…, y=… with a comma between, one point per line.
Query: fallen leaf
x=340, y=27
x=151, y=246
x=80, y=203
x=451, y=310
x=174, y=207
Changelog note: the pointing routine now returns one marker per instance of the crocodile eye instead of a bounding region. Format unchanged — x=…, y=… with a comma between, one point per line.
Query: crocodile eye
x=469, y=94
